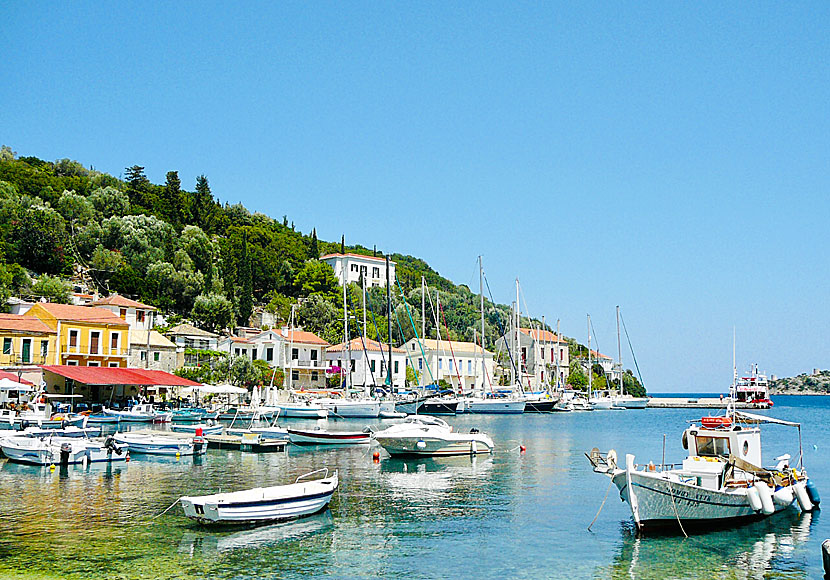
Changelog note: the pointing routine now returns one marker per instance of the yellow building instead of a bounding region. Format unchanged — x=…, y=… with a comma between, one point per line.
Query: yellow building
x=91, y=337
x=25, y=341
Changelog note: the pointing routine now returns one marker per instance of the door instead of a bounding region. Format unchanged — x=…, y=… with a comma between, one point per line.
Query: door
x=27, y=350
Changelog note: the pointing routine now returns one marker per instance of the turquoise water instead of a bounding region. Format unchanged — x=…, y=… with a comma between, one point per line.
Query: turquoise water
x=511, y=515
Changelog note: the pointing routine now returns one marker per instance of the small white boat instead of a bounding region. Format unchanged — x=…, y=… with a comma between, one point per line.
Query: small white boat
x=61, y=450
x=153, y=444
x=259, y=426
x=425, y=435
x=356, y=408
x=68, y=431
x=141, y=413
x=496, y=405
x=263, y=504
x=720, y=482
x=206, y=428
x=629, y=402
x=326, y=437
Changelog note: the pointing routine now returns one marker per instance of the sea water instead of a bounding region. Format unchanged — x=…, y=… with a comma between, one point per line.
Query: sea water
x=510, y=515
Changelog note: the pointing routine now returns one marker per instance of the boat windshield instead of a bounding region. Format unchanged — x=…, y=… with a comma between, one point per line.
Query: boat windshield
x=712, y=446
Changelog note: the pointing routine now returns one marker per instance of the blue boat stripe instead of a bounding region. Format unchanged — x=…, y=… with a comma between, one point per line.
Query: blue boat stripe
x=272, y=502
x=680, y=498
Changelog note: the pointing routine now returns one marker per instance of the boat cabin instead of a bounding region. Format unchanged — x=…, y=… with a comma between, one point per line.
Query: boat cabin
x=710, y=449
x=753, y=389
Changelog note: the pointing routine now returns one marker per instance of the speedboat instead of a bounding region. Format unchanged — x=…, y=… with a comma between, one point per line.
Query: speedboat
x=263, y=504
x=153, y=444
x=424, y=435
x=722, y=480
x=327, y=437
x=61, y=450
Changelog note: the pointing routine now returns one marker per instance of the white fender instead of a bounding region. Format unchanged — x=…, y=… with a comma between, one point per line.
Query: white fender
x=801, y=495
x=754, y=499
x=783, y=496
x=765, y=492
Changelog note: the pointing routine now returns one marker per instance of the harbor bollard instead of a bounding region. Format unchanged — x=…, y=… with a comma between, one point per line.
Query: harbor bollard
x=825, y=556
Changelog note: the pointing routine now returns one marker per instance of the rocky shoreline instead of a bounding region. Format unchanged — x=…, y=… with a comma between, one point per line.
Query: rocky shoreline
x=803, y=384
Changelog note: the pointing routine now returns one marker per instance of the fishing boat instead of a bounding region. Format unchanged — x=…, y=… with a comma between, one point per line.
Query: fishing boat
x=197, y=428
x=260, y=426
x=326, y=437
x=193, y=415
x=102, y=419
x=140, y=413
x=155, y=444
x=264, y=504
x=424, y=435
x=39, y=412
x=722, y=480
x=61, y=450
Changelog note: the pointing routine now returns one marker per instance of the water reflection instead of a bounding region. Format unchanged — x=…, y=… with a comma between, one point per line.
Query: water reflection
x=194, y=543
x=747, y=552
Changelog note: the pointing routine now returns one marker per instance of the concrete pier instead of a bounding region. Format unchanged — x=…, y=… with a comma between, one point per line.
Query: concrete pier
x=693, y=403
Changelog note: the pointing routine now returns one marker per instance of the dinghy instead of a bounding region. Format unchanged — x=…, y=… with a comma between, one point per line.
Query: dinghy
x=263, y=504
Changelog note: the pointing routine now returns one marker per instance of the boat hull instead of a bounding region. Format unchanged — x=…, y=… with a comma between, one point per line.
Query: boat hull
x=496, y=406
x=432, y=446
x=302, y=412
x=328, y=437
x=542, y=406
x=631, y=403
x=438, y=407
x=160, y=445
x=37, y=452
x=349, y=409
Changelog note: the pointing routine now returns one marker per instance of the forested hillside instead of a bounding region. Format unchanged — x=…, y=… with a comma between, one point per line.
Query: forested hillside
x=194, y=257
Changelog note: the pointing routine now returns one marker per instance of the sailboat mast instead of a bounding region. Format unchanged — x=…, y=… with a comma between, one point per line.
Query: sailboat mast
x=481, y=295
x=389, y=323
x=513, y=346
x=423, y=327
x=556, y=355
x=619, y=352
x=291, y=347
x=364, y=306
x=346, y=333
x=590, y=365
x=518, y=346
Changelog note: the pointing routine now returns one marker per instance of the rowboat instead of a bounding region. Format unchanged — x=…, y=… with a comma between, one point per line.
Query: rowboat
x=325, y=437
x=263, y=504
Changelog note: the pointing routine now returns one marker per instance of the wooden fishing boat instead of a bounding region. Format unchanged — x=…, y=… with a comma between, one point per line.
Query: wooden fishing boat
x=264, y=504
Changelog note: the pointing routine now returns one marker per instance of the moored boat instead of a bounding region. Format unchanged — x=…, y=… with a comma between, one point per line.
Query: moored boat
x=263, y=504
x=327, y=437
x=61, y=450
x=495, y=405
x=155, y=444
x=423, y=435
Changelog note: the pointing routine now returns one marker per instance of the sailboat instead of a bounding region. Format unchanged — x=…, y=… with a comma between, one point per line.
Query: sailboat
x=626, y=400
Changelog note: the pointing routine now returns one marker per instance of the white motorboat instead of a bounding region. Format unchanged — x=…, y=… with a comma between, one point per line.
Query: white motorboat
x=720, y=482
x=39, y=413
x=197, y=428
x=327, y=437
x=629, y=402
x=301, y=410
x=155, y=444
x=68, y=431
x=495, y=405
x=425, y=435
x=356, y=408
x=141, y=413
x=61, y=450
x=261, y=427
x=601, y=402
x=753, y=390
x=263, y=504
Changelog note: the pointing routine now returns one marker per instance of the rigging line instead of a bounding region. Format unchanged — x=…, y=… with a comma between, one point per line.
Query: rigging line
x=631, y=348
x=374, y=322
x=535, y=342
x=501, y=328
x=412, y=322
x=452, y=352
x=604, y=373
x=365, y=351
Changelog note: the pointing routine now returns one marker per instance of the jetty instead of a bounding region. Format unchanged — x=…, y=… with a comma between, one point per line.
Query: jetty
x=695, y=403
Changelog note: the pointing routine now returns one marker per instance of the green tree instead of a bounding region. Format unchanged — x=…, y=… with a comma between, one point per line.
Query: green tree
x=104, y=260
x=176, y=211
x=632, y=386
x=109, y=202
x=321, y=317
x=53, y=289
x=577, y=380
x=317, y=279
x=40, y=241
x=245, y=281
x=314, y=250
x=412, y=376
x=203, y=206
x=137, y=186
x=212, y=312
x=75, y=209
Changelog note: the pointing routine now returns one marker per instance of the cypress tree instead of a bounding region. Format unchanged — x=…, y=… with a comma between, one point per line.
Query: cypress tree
x=343, y=244
x=314, y=251
x=245, y=280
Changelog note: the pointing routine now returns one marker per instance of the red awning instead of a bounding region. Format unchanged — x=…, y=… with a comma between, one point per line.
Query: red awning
x=14, y=377
x=119, y=376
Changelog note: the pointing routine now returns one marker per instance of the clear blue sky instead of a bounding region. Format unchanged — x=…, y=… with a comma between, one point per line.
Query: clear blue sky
x=673, y=159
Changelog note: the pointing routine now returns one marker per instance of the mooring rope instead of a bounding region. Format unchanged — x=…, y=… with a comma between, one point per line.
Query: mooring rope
x=677, y=515
x=167, y=510
x=602, y=505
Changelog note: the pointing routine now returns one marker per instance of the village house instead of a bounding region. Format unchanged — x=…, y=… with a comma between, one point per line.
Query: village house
x=540, y=352
x=458, y=363
x=364, y=361
x=350, y=267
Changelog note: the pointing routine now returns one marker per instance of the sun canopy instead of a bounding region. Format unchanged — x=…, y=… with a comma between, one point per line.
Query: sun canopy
x=741, y=416
x=119, y=376
x=217, y=389
x=10, y=385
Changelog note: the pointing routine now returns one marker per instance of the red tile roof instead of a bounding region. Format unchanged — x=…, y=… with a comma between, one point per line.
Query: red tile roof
x=119, y=376
x=349, y=255
x=20, y=323
x=123, y=302
x=542, y=335
x=302, y=337
x=357, y=345
x=78, y=313
x=13, y=377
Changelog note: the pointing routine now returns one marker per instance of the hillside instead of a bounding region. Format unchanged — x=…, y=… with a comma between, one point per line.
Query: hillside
x=803, y=384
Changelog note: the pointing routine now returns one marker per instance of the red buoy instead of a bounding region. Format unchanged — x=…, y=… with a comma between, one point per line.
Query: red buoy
x=376, y=456
x=522, y=448
x=199, y=432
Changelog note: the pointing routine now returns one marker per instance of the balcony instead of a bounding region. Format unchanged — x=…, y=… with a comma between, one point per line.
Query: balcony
x=11, y=360
x=313, y=364
x=102, y=351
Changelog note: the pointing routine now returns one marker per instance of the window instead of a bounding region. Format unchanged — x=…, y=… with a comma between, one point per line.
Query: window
x=94, y=342
x=295, y=375
x=524, y=354
x=469, y=367
x=712, y=446
x=543, y=376
x=372, y=365
x=353, y=365
x=440, y=364
x=314, y=375
x=139, y=315
x=73, y=339
x=71, y=363
x=269, y=353
x=375, y=272
x=396, y=367
x=113, y=365
x=253, y=355
x=420, y=364
x=156, y=356
x=354, y=268
x=551, y=355
x=7, y=346
x=450, y=361
x=542, y=353
x=114, y=340
x=561, y=353
x=295, y=354
x=383, y=367
x=26, y=351
x=44, y=349
x=143, y=355
x=93, y=363
x=236, y=352
x=123, y=313
x=313, y=355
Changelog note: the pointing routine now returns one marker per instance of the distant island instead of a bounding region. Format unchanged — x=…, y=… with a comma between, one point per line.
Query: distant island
x=817, y=383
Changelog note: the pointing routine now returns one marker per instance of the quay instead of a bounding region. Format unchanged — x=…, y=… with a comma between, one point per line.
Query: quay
x=694, y=403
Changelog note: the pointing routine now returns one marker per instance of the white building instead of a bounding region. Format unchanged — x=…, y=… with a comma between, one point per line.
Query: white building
x=139, y=316
x=301, y=354
x=538, y=354
x=351, y=266
x=454, y=361
x=368, y=366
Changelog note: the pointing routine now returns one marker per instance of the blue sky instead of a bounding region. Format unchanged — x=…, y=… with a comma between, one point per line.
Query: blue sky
x=669, y=159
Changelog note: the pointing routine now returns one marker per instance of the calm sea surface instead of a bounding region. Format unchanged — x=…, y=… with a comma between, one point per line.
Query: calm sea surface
x=511, y=515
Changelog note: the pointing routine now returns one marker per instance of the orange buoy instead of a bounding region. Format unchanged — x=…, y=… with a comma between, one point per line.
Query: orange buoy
x=522, y=448
x=376, y=456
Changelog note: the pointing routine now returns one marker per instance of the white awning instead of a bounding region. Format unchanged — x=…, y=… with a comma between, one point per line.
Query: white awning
x=10, y=385
x=764, y=419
